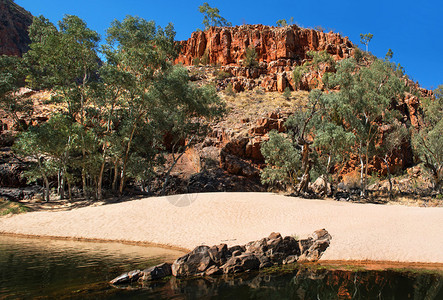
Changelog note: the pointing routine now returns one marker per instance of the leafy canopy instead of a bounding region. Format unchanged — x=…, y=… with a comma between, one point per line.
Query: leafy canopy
x=211, y=17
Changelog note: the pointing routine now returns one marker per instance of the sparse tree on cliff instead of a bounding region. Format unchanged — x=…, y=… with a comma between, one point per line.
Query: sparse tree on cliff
x=283, y=22
x=365, y=39
x=211, y=16
x=250, y=60
x=428, y=140
x=389, y=55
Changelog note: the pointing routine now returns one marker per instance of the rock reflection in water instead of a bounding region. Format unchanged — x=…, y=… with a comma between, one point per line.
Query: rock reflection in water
x=303, y=283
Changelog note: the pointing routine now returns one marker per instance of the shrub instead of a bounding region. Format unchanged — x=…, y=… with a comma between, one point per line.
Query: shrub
x=250, y=58
x=196, y=61
x=287, y=93
x=297, y=75
x=229, y=90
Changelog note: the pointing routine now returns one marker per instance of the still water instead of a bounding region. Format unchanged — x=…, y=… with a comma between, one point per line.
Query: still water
x=56, y=269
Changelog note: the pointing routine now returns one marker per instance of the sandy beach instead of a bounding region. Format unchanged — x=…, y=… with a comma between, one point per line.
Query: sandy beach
x=360, y=231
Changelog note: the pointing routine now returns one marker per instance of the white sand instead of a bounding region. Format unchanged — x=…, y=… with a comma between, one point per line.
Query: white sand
x=359, y=231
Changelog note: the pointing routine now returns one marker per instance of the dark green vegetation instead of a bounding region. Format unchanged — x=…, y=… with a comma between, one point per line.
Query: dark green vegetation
x=112, y=117
x=428, y=141
x=74, y=270
x=353, y=113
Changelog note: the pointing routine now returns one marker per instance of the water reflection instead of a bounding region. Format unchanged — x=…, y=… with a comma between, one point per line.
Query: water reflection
x=301, y=283
x=57, y=269
x=42, y=267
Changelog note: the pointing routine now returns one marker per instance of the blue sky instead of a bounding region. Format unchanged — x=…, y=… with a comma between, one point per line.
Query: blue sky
x=412, y=29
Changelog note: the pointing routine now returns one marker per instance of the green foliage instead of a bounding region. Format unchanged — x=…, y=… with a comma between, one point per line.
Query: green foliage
x=358, y=55
x=117, y=112
x=11, y=80
x=287, y=93
x=334, y=122
x=196, y=61
x=284, y=22
x=204, y=60
x=297, y=75
x=211, y=17
x=318, y=58
x=9, y=207
x=250, y=60
x=365, y=39
x=221, y=75
x=282, y=159
x=364, y=102
x=229, y=90
x=428, y=140
x=389, y=54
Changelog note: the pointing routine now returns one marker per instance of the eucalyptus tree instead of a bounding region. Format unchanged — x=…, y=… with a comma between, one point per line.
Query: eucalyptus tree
x=365, y=39
x=65, y=59
x=11, y=80
x=55, y=148
x=393, y=136
x=212, y=17
x=364, y=102
x=428, y=139
x=156, y=96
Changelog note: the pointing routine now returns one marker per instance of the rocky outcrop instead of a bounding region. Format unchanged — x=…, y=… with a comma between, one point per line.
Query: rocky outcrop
x=14, y=23
x=241, y=155
x=219, y=259
x=279, y=50
x=228, y=45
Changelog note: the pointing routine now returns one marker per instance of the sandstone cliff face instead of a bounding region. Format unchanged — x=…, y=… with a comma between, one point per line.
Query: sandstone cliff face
x=227, y=45
x=14, y=23
x=279, y=50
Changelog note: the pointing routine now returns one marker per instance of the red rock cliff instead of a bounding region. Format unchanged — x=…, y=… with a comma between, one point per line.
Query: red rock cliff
x=14, y=23
x=227, y=45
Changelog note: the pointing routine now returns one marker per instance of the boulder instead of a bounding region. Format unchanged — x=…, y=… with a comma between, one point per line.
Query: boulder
x=128, y=277
x=321, y=187
x=242, y=263
x=156, y=272
x=318, y=243
x=259, y=246
x=194, y=263
x=219, y=254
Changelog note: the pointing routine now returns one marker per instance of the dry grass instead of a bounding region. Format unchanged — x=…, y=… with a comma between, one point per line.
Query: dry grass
x=255, y=104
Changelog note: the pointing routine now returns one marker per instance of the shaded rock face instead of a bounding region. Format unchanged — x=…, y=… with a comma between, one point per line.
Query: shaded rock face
x=14, y=23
